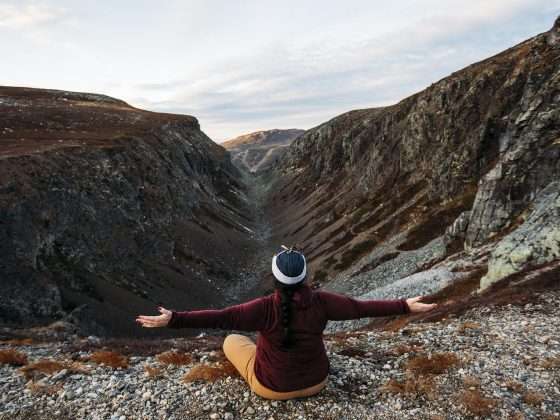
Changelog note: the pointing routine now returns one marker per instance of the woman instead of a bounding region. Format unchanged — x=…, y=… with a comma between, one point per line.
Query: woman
x=289, y=358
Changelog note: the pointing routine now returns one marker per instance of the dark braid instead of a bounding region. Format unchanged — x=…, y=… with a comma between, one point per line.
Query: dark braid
x=286, y=311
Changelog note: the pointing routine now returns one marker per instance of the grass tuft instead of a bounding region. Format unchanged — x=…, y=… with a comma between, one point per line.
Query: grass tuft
x=532, y=397
x=514, y=385
x=551, y=363
x=476, y=403
x=153, y=371
x=435, y=363
x=109, y=358
x=210, y=373
x=413, y=385
x=174, y=358
x=39, y=388
x=401, y=349
x=49, y=367
x=12, y=357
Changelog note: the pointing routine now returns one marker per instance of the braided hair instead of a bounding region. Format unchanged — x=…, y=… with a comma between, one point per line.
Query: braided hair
x=289, y=269
x=286, y=311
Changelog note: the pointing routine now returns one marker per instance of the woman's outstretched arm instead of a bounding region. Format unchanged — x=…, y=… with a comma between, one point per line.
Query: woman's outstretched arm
x=340, y=307
x=248, y=316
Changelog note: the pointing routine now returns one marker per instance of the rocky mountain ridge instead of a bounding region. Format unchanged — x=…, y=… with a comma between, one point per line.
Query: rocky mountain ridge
x=376, y=195
x=107, y=210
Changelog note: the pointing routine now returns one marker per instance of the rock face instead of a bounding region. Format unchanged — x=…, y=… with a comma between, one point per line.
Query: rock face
x=535, y=242
x=463, y=159
x=111, y=207
x=258, y=151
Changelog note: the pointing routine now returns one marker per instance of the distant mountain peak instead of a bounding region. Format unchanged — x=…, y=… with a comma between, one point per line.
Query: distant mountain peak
x=258, y=150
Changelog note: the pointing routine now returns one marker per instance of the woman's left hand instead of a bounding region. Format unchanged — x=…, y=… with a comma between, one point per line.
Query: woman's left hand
x=416, y=306
x=155, y=321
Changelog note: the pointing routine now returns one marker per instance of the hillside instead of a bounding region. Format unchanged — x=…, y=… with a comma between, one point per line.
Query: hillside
x=457, y=180
x=258, y=151
x=107, y=211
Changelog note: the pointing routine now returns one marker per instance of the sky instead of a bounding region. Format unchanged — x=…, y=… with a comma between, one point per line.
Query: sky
x=243, y=66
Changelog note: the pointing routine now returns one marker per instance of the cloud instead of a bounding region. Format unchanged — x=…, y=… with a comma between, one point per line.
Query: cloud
x=27, y=15
x=301, y=83
x=251, y=65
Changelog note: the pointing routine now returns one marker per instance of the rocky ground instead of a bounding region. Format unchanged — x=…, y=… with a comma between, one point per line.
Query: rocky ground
x=491, y=362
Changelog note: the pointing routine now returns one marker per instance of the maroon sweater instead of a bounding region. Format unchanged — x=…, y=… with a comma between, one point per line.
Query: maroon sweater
x=306, y=363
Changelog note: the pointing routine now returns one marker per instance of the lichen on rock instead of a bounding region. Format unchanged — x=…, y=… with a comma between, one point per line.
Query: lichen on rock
x=535, y=242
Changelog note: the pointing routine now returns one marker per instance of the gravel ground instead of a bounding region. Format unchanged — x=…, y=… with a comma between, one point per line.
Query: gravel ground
x=508, y=357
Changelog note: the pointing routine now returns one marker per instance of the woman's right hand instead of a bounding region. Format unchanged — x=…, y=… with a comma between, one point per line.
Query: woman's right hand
x=155, y=321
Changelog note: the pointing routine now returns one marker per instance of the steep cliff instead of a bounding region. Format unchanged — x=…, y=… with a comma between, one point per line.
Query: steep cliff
x=107, y=211
x=375, y=195
x=258, y=151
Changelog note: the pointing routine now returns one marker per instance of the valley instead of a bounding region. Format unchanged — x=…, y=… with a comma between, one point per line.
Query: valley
x=453, y=193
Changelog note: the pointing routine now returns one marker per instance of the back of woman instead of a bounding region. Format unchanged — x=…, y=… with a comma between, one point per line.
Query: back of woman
x=305, y=361
x=289, y=358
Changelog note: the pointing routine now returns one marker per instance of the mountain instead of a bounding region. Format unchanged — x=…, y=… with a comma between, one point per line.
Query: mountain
x=259, y=150
x=458, y=180
x=107, y=211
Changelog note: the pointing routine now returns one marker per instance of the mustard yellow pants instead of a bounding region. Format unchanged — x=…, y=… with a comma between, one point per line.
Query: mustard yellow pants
x=240, y=350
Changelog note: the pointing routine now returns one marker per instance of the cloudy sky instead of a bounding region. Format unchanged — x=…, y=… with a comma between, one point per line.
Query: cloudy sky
x=241, y=66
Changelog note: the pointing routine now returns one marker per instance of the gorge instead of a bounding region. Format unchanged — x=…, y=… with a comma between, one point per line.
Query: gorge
x=107, y=210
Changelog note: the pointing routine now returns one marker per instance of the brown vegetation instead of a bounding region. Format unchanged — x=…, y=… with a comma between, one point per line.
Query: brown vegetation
x=401, y=349
x=12, y=357
x=48, y=367
x=174, y=358
x=109, y=358
x=210, y=373
x=153, y=371
x=514, y=385
x=471, y=382
x=39, y=388
x=551, y=363
x=476, y=403
x=435, y=363
x=414, y=385
x=533, y=397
